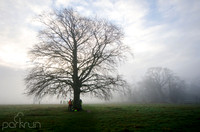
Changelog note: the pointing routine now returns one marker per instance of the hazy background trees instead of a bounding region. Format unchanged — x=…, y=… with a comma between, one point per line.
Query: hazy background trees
x=162, y=85
x=193, y=91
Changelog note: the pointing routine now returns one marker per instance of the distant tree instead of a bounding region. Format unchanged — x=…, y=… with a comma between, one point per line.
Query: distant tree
x=176, y=89
x=193, y=91
x=155, y=82
x=76, y=55
x=162, y=85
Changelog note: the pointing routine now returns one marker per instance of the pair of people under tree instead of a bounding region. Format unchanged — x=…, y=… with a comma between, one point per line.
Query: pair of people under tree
x=70, y=105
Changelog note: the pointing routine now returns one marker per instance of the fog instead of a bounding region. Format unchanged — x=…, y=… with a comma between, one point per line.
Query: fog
x=162, y=85
x=160, y=33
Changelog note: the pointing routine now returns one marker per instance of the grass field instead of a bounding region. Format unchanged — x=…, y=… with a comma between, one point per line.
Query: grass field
x=101, y=118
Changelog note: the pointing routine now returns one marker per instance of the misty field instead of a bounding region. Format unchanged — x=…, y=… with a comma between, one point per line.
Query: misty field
x=99, y=117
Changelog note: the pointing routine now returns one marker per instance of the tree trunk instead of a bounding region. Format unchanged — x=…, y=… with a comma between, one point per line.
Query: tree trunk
x=76, y=81
x=77, y=104
x=161, y=95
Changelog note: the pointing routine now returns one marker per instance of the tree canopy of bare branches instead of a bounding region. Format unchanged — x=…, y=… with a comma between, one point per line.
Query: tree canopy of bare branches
x=76, y=55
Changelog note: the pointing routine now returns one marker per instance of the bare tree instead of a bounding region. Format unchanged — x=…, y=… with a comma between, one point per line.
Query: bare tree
x=176, y=87
x=76, y=55
x=162, y=85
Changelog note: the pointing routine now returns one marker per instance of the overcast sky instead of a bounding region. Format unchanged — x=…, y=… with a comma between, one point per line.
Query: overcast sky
x=162, y=33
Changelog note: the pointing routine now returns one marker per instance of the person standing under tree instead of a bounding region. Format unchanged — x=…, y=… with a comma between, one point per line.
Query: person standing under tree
x=70, y=105
x=80, y=104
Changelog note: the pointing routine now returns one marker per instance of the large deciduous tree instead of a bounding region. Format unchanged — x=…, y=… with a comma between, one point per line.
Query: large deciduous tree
x=76, y=55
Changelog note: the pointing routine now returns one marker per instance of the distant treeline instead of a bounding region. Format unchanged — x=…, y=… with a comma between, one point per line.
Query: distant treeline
x=161, y=85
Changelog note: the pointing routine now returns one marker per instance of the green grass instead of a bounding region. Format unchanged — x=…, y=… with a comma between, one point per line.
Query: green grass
x=102, y=118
